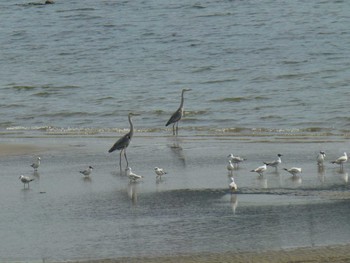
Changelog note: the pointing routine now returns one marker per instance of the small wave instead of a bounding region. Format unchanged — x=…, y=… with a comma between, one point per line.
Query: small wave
x=240, y=99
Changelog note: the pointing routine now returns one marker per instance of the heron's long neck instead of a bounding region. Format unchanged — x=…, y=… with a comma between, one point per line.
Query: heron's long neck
x=131, y=132
x=182, y=99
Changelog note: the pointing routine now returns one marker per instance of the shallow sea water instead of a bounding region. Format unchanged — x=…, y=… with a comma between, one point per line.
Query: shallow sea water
x=63, y=216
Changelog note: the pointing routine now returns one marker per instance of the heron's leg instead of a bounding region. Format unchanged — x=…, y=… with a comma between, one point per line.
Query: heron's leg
x=174, y=128
x=120, y=159
x=127, y=163
x=177, y=127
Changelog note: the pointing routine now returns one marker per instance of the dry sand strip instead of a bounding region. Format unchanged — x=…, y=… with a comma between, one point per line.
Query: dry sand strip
x=334, y=254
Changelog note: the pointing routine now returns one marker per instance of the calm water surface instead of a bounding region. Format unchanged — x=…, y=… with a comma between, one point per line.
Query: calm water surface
x=251, y=64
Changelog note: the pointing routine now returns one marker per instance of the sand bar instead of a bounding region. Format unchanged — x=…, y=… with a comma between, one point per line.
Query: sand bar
x=335, y=254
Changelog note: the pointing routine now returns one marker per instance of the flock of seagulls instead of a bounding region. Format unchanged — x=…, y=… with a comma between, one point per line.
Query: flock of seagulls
x=294, y=171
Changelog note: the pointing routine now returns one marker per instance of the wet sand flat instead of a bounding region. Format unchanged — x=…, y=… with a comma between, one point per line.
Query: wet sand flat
x=335, y=254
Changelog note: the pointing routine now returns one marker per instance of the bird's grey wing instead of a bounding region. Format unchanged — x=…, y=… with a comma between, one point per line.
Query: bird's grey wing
x=123, y=142
x=175, y=117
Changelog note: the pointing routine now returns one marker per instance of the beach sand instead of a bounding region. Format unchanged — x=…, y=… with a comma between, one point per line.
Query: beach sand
x=334, y=254
x=7, y=149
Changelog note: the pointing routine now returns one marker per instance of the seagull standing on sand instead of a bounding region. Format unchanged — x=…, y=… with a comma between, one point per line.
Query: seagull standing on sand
x=293, y=171
x=132, y=176
x=25, y=180
x=233, y=185
x=230, y=167
x=341, y=160
x=36, y=164
x=236, y=160
x=276, y=162
x=177, y=115
x=159, y=172
x=320, y=158
x=87, y=172
x=260, y=170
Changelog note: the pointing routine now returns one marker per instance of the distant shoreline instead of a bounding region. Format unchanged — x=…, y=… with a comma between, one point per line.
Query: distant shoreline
x=334, y=254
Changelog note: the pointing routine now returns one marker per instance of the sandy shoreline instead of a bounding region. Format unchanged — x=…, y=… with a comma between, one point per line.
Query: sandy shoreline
x=19, y=149
x=335, y=254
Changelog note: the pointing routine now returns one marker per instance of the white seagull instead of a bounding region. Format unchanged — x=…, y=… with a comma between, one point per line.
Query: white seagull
x=233, y=185
x=87, y=172
x=276, y=162
x=293, y=171
x=230, y=167
x=25, y=180
x=341, y=160
x=320, y=158
x=260, y=170
x=236, y=160
x=132, y=176
x=36, y=164
x=159, y=172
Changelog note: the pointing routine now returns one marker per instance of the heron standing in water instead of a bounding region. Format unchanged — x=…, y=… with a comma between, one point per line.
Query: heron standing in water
x=124, y=142
x=177, y=115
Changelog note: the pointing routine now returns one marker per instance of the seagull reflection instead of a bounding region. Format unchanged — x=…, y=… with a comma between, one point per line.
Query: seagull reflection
x=343, y=175
x=36, y=174
x=346, y=178
x=296, y=179
x=234, y=202
x=321, y=173
x=262, y=182
x=132, y=192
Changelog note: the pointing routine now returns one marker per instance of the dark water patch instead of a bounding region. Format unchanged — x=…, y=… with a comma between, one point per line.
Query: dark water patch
x=45, y=87
x=203, y=69
x=44, y=94
x=103, y=99
x=198, y=6
x=76, y=9
x=294, y=62
x=217, y=14
x=271, y=117
x=215, y=81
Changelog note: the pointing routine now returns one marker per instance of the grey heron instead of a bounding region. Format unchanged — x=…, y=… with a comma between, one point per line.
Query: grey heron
x=124, y=141
x=177, y=115
x=25, y=180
